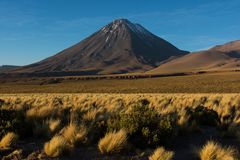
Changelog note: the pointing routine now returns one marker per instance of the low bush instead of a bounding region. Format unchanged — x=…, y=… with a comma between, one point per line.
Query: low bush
x=40, y=129
x=185, y=125
x=161, y=154
x=203, y=116
x=145, y=125
x=231, y=130
x=214, y=151
x=13, y=121
x=97, y=126
x=113, y=142
x=1, y=102
x=45, y=128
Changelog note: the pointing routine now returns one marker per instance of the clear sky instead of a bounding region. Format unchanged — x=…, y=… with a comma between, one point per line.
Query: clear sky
x=31, y=30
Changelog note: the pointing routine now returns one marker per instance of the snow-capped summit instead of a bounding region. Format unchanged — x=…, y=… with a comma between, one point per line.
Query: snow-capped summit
x=119, y=47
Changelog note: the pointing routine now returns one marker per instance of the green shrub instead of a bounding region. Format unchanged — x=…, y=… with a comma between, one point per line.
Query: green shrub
x=145, y=125
x=95, y=121
x=203, y=116
x=231, y=130
x=1, y=102
x=13, y=121
x=40, y=129
x=96, y=129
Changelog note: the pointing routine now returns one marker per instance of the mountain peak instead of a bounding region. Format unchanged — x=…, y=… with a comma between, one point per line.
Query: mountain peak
x=119, y=23
x=119, y=47
x=121, y=20
x=122, y=26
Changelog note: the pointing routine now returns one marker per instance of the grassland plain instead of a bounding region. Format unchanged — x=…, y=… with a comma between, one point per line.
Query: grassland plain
x=120, y=126
x=227, y=82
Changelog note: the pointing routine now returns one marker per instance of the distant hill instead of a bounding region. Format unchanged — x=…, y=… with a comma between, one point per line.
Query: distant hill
x=7, y=68
x=218, y=58
x=119, y=47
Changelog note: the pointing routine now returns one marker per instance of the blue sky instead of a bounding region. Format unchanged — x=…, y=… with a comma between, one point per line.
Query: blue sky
x=31, y=30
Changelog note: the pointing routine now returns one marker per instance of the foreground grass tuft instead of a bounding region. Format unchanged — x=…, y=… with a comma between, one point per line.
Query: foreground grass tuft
x=113, y=142
x=161, y=154
x=8, y=140
x=56, y=146
x=74, y=134
x=54, y=125
x=214, y=151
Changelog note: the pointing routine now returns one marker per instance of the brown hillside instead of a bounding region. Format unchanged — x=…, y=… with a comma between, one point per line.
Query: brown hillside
x=222, y=57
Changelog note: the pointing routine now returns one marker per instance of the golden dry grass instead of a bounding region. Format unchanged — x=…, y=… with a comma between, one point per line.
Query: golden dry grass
x=113, y=142
x=54, y=124
x=8, y=140
x=74, y=134
x=202, y=83
x=56, y=146
x=161, y=154
x=90, y=115
x=214, y=151
x=41, y=104
x=49, y=111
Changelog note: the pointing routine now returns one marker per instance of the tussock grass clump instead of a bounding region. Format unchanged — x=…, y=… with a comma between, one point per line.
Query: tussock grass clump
x=54, y=125
x=185, y=125
x=90, y=115
x=56, y=147
x=8, y=140
x=39, y=112
x=74, y=134
x=113, y=142
x=161, y=154
x=214, y=151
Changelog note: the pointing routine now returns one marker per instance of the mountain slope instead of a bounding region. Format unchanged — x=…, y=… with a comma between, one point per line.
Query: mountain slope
x=119, y=47
x=6, y=68
x=222, y=57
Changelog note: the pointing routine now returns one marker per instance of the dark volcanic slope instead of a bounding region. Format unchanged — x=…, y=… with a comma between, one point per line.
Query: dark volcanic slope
x=119, y=47
x=6, y=68
x=222, y=57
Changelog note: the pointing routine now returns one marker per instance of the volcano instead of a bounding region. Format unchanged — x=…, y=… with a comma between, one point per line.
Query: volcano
x=119, y=47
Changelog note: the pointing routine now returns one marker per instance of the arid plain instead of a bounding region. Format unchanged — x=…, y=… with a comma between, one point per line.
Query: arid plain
x=123, y=93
